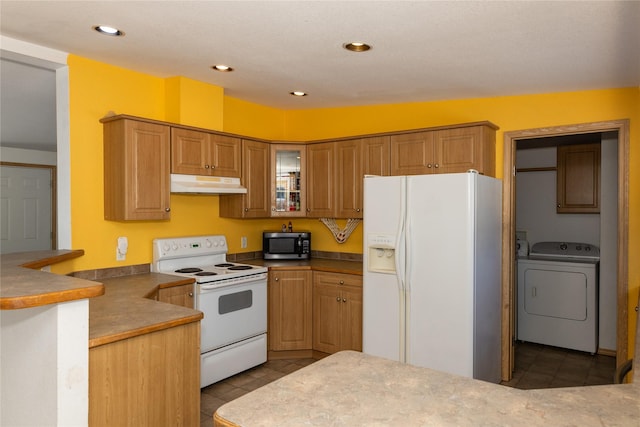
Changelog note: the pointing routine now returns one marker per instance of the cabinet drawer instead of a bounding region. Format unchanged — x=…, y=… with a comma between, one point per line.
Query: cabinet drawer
x=340, y=279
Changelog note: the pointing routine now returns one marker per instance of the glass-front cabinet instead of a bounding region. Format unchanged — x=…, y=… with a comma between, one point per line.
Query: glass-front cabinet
x=288, y=180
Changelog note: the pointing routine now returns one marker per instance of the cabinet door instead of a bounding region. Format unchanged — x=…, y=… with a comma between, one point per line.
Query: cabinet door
x=459, y=150
x=375, y=156
x=189, y=152
x=327, y=322
x=412, y=154
x=578, y=179
x=348, y=179
x=178, y=295
x=351, y=319
x=337, y=312
x=288, y=180
x=255, y=177
x=224, y=156
x=290, y=310
x=136, y=170
x=321, y=180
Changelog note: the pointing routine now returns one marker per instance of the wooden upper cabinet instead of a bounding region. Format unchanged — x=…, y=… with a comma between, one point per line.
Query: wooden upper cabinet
x=288, y=196
x=375, y=153
x=136, y=170
x=348, y=185
x=354, y=159
x=321, y=183
x=202, y=153
x=412, y=153
x=255, y=178
x=446, y=150
x=578, y=179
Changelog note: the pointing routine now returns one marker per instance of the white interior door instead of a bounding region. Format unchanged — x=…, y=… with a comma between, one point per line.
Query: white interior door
x=25, y=209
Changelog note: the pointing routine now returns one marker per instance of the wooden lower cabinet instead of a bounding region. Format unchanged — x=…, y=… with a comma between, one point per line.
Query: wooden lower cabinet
x=290, y=308
x=337, y=312
x=177, y=295
x=148, y=380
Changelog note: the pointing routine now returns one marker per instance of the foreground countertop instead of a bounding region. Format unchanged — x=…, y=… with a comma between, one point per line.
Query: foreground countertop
x=25, y=286
x=355, y=389
x=127, y=309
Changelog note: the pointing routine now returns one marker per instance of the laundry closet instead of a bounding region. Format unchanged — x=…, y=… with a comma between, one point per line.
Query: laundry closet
x=566, y=231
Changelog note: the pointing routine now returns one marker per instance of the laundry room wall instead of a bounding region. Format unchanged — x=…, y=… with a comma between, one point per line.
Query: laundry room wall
x=536, y=215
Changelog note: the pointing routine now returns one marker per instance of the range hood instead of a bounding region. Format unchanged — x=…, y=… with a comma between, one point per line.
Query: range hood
x=206, y=184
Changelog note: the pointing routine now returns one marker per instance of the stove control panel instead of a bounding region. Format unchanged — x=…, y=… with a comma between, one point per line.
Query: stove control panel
x=189, y=246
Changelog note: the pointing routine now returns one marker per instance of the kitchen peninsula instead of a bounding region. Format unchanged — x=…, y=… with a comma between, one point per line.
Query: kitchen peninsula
x=78, y=346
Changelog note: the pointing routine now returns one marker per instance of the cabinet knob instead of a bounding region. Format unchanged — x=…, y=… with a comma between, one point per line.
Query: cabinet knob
x=558, y=205
x=273, y=209
x=191, y=294
x=246, y=209
x=338, y=299
x=276, y=279
x=206, y=166
x=358, y=210
x=344, y=300
x=437, y=165
x=429, y=166
x=308, y=209
x=167, y=209
x=342, y=282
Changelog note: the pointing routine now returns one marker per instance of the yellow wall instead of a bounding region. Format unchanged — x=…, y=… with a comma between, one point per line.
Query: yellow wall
x=98, y=88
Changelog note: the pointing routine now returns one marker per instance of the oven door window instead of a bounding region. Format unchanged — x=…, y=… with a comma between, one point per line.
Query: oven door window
x=234, y=302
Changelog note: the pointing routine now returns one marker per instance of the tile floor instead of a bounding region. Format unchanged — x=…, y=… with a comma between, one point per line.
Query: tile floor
x=540, y=366
x=215, y=395
x=537, y=366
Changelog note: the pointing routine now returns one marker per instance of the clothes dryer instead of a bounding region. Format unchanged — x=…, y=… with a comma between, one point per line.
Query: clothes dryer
x=558, y=295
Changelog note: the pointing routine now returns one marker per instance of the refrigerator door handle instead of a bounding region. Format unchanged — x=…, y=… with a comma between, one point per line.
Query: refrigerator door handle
x=400, y=272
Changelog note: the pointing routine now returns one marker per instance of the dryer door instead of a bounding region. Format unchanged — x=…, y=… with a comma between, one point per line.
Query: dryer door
x=560, y=294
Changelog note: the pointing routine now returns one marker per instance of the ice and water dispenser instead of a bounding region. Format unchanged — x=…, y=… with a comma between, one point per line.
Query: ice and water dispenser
x=382, y=253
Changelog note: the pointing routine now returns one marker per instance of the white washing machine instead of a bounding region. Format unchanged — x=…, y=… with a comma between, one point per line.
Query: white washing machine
x=558, y=295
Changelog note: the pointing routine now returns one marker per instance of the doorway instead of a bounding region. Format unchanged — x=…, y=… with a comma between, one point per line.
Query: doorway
x=621, y=129
x=27, y=208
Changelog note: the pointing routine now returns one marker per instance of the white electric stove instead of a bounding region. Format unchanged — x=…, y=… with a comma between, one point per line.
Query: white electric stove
x=232, y=296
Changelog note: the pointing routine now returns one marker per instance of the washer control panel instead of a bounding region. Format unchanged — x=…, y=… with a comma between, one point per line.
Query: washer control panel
x=584, y=251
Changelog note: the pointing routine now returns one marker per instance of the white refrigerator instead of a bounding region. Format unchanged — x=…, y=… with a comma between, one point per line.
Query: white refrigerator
x=432, y=262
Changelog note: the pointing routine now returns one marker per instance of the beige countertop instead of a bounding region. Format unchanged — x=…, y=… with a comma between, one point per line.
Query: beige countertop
x=354, y=389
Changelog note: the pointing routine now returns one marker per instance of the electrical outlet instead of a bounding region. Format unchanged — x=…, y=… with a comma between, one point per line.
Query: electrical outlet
x=243, y=242
x=121, y=248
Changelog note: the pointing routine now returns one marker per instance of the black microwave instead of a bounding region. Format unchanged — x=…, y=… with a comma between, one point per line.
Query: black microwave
x=286, y=245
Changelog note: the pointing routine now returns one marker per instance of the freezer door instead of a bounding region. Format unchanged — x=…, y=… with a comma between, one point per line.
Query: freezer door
x=383, y=300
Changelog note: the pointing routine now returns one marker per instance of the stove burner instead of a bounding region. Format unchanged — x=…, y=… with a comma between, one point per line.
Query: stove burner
x=224, y=264
x=188, y=270
x=206, y=273
x=241, y=267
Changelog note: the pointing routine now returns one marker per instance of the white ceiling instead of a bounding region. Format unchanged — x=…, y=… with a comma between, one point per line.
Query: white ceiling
x=422, y=50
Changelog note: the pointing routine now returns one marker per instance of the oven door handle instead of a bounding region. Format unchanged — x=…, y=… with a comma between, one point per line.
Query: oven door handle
x=233, y=281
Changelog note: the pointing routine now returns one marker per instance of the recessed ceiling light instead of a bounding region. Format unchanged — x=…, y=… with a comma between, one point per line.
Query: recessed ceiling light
x=356, y=46
x=222, y=68
x=298, y=93
x=108, y=31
